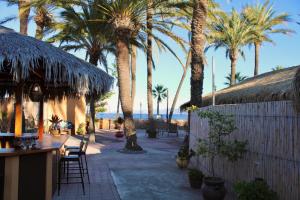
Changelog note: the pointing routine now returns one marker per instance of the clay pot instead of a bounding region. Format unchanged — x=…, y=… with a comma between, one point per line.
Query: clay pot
x=213, y=188
x=182, y=162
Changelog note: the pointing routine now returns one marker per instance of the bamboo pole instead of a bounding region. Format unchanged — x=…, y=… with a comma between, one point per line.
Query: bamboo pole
x=41, y=120
x=18, y=111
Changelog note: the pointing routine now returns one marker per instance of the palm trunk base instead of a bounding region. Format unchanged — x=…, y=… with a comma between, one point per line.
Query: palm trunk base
x=131, y=143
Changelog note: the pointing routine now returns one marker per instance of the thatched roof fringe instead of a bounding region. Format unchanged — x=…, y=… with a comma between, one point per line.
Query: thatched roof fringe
x=271, y=86
x=25, y=54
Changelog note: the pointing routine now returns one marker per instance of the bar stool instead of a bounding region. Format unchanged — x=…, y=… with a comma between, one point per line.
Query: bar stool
x=70, y=160
x=81, y=152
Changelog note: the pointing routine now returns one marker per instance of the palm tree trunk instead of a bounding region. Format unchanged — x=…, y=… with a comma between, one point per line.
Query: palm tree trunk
x=24, y=11
x=125, y=94
x=133, y=73
x=93, y=60
x=179, y=86
x=157, y=111
x=233, y=59
x=149, y=60
x=118, y=106
x=198, y=42
x=257, y=47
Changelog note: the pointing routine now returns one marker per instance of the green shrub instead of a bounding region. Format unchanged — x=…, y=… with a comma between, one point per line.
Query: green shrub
x=220, y=127
x=81, y=129
x=254, y=190
x=195, y=174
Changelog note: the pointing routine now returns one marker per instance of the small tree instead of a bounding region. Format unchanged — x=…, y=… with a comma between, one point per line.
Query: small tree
x=216, y=144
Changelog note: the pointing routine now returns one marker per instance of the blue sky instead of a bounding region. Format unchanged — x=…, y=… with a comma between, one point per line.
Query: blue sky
x=168, y=71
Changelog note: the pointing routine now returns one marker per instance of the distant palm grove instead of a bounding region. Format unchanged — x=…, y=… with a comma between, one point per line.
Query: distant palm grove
x=121, y=27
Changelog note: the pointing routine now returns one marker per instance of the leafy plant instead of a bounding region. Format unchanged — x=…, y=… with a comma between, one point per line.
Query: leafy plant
x=55, y=120
x=195, y=174
x=3, y=122
x=118, y=122
x=81, y=129
x=216, y=144
x=185, y=153
x=257, y=189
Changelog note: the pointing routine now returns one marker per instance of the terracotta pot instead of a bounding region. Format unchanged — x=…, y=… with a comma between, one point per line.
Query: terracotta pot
x=182, y=162
x=213, y=188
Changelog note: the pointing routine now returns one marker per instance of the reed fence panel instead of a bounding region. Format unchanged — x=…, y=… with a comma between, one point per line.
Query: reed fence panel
x=273, y=133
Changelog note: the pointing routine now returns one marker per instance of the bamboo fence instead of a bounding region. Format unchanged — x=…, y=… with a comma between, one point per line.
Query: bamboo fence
x=273, y=133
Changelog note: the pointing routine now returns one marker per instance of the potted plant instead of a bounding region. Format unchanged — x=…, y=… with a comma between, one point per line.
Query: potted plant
x=217, y=144
x=81, y=130
x=54, y=127
x=195, y=178
x=118, y=123
x=257, y=189
x=183, y=156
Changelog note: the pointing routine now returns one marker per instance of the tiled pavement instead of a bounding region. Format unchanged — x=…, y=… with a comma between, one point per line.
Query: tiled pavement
x=149, y=176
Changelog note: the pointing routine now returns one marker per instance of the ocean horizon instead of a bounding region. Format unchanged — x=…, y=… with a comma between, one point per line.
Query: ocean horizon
x=177, y=116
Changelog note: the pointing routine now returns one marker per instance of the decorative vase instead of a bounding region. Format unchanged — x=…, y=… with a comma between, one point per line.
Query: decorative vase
x=182, y=162
x=213, y=188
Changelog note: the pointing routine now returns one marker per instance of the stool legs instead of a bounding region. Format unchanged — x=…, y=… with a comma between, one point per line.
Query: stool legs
x=81, y=176
x=64, y=165
x=87, y=169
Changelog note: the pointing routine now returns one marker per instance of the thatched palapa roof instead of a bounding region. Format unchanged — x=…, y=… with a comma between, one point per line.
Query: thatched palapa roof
x=23, y=58
x=271, y=86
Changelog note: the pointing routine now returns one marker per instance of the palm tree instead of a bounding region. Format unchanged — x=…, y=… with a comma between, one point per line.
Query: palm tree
x=264, y=20
x=231, y=32
x=185, y=69
x=238, y=77
x=149, y=58
x=159, y=92
x=79, y=29
x=198, y=26
x=123, y=16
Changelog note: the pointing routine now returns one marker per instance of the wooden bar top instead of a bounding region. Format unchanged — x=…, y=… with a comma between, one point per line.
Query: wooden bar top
x=48, y=143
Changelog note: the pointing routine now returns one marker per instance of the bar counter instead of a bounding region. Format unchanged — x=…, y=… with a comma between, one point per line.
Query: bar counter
x=30, y=174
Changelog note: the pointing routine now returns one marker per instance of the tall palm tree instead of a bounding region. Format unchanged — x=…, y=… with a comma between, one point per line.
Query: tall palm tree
x=79, y=29
x=231, y=32
x=265, y=21
x=238, y=77
x=198, y=26
x=149, y=58
x=123, y=16
x=185, y=69
x=160, y=93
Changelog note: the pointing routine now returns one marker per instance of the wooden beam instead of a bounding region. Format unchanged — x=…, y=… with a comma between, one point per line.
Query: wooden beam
x=41, y=119
x=18, y=111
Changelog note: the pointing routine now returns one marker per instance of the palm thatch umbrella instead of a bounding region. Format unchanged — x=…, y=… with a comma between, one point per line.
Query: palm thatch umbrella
x=277, y=85
x=26, y=61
